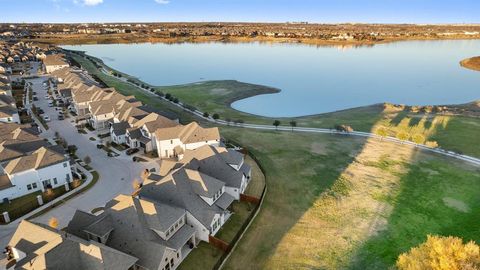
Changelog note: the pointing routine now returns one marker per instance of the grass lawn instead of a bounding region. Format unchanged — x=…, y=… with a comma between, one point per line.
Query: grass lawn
x=25, y=204
x=256, y=185
x=241, y=211
x=204, y=256
x=332, y=200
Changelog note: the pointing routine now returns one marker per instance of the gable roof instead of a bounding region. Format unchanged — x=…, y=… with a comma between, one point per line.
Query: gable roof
x=214, y=161
x=41, y=158
x=47, y=248
x=133, y=221
x=190, y=133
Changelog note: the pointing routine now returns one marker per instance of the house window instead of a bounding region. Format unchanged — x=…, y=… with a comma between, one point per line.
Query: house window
x=29, y=187
x=171, y=141
x=171, y=262
x=55, y=181
x=67, y=178
x=47, y=183
x=34, y=185
x=65, y=164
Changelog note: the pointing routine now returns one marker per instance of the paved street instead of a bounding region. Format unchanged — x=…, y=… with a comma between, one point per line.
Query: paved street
x=116, y=173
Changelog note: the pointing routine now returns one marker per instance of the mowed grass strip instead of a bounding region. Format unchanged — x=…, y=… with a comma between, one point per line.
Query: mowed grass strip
x=338, y=202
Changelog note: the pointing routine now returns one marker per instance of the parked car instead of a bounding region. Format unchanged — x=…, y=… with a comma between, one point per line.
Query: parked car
x=50, y=104
x=132, y=151
x=47, y=97
x=60, y=117
x=100, y=146
x=35, y=99
x=46, y=118
x=40, y=111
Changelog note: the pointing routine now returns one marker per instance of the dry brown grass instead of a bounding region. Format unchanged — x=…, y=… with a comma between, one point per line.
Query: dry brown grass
x=347, y=214
x=471, y=63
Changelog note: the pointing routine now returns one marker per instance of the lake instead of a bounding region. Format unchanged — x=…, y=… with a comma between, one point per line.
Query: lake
x=313, y=79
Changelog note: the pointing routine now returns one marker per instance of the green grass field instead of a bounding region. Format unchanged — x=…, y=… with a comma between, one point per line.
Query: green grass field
x=337, y=202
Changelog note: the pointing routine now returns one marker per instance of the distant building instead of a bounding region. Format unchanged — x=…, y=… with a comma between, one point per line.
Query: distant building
x=54, y=62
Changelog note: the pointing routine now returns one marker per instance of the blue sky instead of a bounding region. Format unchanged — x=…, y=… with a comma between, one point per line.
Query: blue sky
x=327, y=11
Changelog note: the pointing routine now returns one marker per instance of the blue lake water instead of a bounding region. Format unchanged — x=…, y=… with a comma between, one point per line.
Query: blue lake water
x=312, y=79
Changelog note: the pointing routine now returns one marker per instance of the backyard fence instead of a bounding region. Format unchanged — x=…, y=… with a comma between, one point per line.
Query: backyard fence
x=240, y=232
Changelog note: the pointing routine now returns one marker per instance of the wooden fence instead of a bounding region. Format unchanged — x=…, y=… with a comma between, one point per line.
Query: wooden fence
x=240, y=232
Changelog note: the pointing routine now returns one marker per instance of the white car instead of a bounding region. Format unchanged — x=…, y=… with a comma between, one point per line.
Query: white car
x=46, y=118
x=50, y=104
x=47, y=97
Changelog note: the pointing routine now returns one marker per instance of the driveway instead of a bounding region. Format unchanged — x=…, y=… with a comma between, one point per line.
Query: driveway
x=116, y=173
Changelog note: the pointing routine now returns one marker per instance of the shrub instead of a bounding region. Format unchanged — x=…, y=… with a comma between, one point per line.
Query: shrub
x=206, y=114
x=441, y=253
x=343, y=128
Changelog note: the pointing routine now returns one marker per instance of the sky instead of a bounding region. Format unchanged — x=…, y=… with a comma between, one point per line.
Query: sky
x=320, y=11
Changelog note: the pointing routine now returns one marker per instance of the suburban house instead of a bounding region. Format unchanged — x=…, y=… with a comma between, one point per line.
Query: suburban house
x=103, y=111
x=29, y=163
x=156, y=234
x=8, y=109
x=54, y=62
x=141, y=133
x=173, y=142
x=226, y=165
x=36, y=246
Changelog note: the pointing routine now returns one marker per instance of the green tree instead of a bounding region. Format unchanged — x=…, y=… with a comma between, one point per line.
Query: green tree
x=206, y=114
x=215, y=116
x=382, y=132
x=276, y=123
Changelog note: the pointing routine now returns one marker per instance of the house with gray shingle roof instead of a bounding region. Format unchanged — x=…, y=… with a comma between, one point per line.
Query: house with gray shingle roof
x=203, y=197
x=28, y=163
x=36, y=246
x=157, y=234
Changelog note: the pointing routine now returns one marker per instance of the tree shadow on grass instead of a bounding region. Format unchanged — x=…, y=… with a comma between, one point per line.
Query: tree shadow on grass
x=419, y=210
x=414, y=121
x=399, y=117
x=297, y=172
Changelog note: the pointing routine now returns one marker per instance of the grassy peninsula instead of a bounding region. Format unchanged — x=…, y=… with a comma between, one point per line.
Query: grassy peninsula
x=338, y=202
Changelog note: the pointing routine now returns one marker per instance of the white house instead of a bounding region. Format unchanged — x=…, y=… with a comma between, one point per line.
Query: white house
x=54, y=62
x=42, y=169
x=173, y=142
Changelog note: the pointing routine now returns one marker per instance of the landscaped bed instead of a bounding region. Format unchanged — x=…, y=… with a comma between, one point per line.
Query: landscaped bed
x=25, y=204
